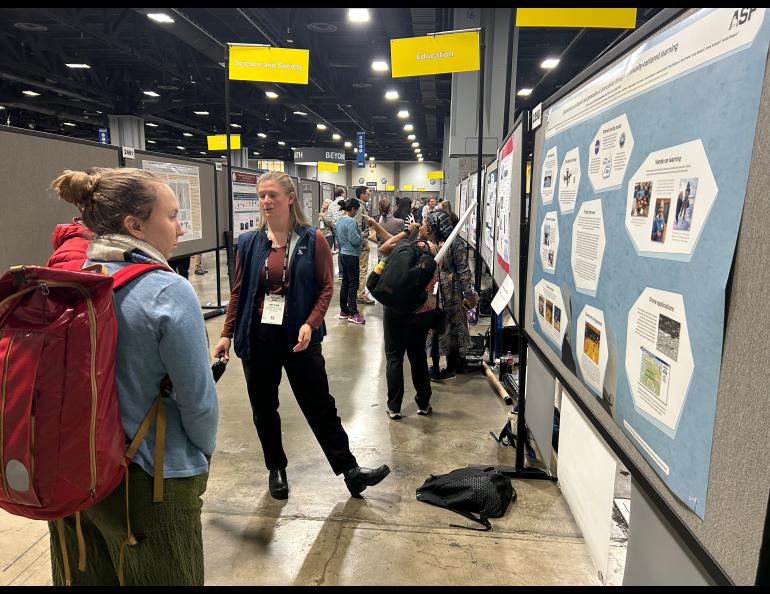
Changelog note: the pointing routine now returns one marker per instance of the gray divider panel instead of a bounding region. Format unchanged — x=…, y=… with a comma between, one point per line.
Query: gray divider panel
x=29, y=162
x=223, y=204
x=738, y=483
x=327, y=191
x=309, y=197
x=207, y=177
x=539, y=411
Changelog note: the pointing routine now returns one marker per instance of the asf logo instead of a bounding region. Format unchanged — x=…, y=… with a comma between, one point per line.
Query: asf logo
x=741, y=16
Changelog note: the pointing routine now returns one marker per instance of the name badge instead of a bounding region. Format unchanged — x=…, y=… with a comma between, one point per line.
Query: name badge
x=272, y=311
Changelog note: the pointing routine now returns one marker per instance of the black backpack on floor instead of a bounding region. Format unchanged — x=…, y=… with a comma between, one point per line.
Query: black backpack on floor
x=468, y=491
x=401, y=284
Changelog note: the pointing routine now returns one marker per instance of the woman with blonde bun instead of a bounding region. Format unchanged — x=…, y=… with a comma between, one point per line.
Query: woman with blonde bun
x=134, y=215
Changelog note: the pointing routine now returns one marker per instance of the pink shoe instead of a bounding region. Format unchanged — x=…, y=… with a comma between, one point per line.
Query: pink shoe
x=357, y=319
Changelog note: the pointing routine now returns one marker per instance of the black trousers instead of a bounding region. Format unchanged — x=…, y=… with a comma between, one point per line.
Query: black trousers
x=349, y=288
x=406, y=333
x=306, y=370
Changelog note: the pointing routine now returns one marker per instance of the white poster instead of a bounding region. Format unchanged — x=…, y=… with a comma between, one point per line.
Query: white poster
x=184, y=181
x=593, y=356
x=569, y=181
x=659, y=359
x=490, y=202
x=669, y=199
x=246, y=211
x=549, y=241
x=588, y=243
x=464, y=206
x=550, y=311
x=502, y=237
x=549, y=177
x=472, y=187
x=609, y=153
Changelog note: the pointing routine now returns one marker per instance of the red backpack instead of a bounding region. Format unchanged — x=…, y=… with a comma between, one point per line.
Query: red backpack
x=62, y=444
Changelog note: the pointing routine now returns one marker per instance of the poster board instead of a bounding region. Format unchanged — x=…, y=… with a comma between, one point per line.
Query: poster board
x=29, y=162
x=194, y=183
x=463, y=206
x=472, y=222
x=309, y=198
x=650, y=282
x=488, y=213
x=246, y=211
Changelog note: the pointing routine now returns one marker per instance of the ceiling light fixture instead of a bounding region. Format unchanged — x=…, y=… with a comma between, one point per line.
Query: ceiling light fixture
x=411, y=137
x=255, y=152
x=261, y=134
x=160, y=17
x=550, y=63
x=336, y=136
x=358, y=15
x=78, y=65
x=321, y=126
x=403, y=114
x=181, y=148
x=151, y=93
x=186, y=134
x=201, y=113
x=281, y=143
x=235, y=125
x=151, y=142
x=151, y=124
x=408, y=128
x=355, y=150
x=348, y=144
x=30, y=93
x=203, y=152
x=380, y=66
x=299, y=113
x=524, y=92
x=391, y=95
x=271, y=95
x=415, y=144
x=371, y=158
x=421, y=159
x=70, y=124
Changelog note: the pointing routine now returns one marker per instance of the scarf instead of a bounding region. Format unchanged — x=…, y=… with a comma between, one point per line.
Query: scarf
x=123, y=248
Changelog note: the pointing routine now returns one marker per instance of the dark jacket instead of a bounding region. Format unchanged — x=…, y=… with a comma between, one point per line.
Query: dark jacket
x=253, y=248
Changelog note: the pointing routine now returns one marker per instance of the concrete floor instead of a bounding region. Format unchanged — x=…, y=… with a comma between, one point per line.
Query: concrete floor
x=320, y=535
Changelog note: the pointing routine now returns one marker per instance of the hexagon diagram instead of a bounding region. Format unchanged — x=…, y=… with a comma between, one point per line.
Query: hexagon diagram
x=551, y=316
x=593, y=352
x=669, y=200
x=548, y=178
x=609, y=153
x=549, y=241
x=569, y=181
x=659, y=363
x=588, y=243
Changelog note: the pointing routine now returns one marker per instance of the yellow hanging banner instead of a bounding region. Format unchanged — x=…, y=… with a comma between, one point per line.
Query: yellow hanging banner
x=407, y=187
x=599, y=18
x=269, y=64
x=435, y=175
x=324, y=166
x=389, y=188
x=435, y=54
x=218, y=142
x=421, y=190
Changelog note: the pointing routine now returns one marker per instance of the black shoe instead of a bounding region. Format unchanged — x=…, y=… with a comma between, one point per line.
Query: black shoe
x=279, y=486
x=359, y=478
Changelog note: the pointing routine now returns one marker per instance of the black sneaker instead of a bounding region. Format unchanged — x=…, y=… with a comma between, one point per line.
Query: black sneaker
x=435, y=374
x=396, y=416
x=443, y=376
x=425, y=411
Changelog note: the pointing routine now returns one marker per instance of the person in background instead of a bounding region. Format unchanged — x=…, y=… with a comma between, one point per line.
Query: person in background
x=456, y=293
x=363, y=195
x=388, y=222
x=417, y=211
x=181, y=266
x=133, y=215
x=197, y=264
x=326, y=228
x=428, y=208
x=283, y=288
x=332, y=216
x=350, y=250
x=404, y=210
x=407, y=333
x=446, y=206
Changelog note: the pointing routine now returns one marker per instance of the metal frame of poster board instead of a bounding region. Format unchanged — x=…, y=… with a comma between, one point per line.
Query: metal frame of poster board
x=735, y=479
x=29, y=162
x=488, y=256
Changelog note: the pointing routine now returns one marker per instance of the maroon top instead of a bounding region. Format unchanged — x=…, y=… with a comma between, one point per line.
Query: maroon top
x=324, y=275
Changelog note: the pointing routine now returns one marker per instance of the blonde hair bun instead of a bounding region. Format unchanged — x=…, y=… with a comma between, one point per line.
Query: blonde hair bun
x=76, y=187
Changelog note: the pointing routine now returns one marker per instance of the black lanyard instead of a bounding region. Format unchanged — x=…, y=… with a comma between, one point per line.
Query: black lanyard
x=285, y=268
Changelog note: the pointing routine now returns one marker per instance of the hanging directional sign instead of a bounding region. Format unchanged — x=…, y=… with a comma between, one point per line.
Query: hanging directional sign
x=599, y=18
x=269, y=64
x=435, y=54
x=218, y=142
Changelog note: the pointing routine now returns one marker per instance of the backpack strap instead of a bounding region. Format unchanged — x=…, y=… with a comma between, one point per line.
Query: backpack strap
x=480, y=520
x=128, y=273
